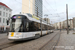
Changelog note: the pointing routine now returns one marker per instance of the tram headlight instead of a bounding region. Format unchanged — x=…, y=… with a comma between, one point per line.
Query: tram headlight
x=19, y=33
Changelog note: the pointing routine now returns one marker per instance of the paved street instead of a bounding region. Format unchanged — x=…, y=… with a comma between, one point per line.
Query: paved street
x=3, y=35
x=3, y=38
x=66, y=42
x=32, y=44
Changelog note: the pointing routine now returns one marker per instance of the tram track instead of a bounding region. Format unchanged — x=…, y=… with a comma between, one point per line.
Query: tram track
x=52, y=42
x=10, y=43
x=5, y=45
x=4, y=41
x=57, y=42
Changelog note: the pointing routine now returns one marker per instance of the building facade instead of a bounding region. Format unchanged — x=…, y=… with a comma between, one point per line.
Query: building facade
x=33, y=7
x=70, y=23
x=55, y=25
x=5, y=13
x=63, y=24
x=47, y=20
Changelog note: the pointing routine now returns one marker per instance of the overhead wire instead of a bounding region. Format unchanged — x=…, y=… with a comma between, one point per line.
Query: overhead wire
x=45, y=7
x=33, y=4
x=51, y=7
x=21, y=3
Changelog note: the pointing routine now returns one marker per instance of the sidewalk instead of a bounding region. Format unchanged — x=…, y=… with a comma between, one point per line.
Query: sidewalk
x=67, y=41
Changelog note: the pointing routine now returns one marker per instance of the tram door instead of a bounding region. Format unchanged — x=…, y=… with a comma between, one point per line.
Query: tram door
x=27, y=26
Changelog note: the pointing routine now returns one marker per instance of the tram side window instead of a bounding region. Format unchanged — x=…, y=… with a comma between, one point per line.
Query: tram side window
x=38, y=26
x=35, y=26
x=31, y=26
x=49, y=27
x=44, y=27
x=27, y=26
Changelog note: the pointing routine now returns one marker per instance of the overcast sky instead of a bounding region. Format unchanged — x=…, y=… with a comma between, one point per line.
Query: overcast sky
x=56, y=9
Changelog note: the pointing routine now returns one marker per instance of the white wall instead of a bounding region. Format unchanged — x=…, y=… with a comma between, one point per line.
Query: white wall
x=6, y=10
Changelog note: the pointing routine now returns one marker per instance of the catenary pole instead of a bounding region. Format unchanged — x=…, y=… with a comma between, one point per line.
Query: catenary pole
x=67, y=18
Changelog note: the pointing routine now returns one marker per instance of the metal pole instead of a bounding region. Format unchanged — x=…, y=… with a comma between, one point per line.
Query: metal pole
x=47, y=22
x=73, y=24
x=67, y=17
x=41, y=26
x=47, y=25
x=60, y=26
x=70, y=24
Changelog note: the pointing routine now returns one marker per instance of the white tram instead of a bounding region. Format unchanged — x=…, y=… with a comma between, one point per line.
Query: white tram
x=24, y=26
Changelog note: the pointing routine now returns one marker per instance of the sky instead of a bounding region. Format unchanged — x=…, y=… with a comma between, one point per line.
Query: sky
x=58, y=9
x=55, y=9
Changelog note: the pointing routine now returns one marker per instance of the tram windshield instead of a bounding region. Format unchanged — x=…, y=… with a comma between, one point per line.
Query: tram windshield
x=15, y=24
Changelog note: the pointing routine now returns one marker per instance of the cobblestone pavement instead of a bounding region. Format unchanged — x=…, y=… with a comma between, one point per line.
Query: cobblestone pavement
x=32, y=44
x=3, y=35
x=67, y=41
x=3, y=38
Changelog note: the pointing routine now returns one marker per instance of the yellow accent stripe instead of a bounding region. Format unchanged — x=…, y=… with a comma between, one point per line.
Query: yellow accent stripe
x=35, y=17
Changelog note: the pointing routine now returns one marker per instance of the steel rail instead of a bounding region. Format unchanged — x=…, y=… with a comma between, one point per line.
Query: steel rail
x=50, y=41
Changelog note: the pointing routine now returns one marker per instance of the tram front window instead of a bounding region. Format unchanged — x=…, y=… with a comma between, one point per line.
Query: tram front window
x=15, y=25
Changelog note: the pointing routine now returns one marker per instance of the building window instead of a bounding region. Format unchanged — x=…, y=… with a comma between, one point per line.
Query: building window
x=9, y=10
x=6, y=20
x=4, y=8
x=3, y=13
x=6, y=14
x=3, y=20
x=0, y=19
x=9, y=15
x=0, y=13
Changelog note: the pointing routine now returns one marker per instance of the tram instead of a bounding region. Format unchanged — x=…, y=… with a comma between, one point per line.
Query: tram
x=24, y=27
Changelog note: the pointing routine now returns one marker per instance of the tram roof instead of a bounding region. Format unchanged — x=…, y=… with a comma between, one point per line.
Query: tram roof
x=33, y=19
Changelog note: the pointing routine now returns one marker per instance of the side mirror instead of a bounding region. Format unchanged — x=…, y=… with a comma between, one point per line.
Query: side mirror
x=7, y=22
